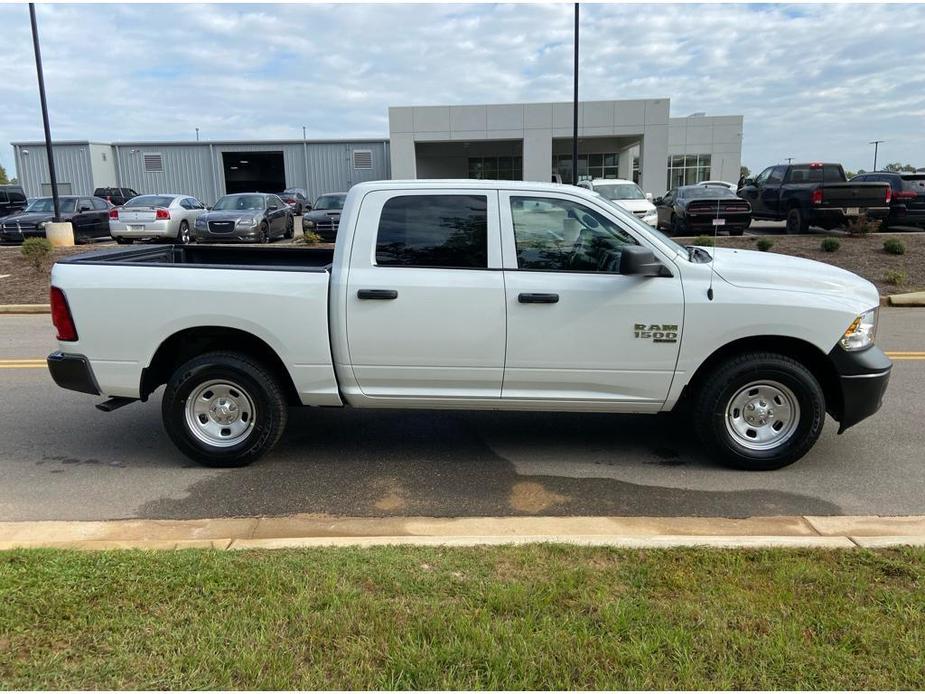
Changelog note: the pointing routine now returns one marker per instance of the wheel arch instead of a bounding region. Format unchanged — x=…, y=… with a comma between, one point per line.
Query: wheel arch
x=189, y=343
x=800, y=350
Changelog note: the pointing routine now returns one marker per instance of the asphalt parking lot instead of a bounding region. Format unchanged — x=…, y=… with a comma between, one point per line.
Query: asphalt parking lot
x=60, y=458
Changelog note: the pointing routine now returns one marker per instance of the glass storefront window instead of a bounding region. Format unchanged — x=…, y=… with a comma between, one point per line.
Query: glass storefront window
x=688, y=169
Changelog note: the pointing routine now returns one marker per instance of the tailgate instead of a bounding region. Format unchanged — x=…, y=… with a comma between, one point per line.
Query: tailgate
x=854, y=194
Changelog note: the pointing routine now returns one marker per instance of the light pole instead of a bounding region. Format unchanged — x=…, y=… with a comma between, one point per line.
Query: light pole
x=197, y=134
x=575, y=109
x=53, y=179
x=789, y=160
x=305, y=157
x=876, y=144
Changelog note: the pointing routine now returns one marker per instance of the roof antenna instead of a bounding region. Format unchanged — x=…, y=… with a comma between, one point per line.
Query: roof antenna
x=713, y=254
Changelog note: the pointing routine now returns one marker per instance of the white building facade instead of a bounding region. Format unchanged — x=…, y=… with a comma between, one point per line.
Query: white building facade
x=631, y=139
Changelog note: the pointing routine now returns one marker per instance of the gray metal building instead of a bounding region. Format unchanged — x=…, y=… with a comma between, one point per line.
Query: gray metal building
x=206, y=170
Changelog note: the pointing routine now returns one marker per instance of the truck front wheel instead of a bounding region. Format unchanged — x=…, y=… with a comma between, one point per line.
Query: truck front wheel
x=759, y=411
x=223, y=409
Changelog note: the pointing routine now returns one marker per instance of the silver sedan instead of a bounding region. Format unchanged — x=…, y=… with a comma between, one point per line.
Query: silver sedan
x=162, y=216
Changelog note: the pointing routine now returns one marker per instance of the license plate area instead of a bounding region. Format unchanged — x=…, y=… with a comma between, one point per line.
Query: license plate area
x=719, y=222
x=136, y=227
x=852, y=211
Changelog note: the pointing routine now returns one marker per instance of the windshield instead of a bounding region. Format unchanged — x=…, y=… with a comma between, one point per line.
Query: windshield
x=48, y=205
x=150, y=201
x=706, y=192
x=620, y=191
x=240, y=202
x=638, y=224
x=330, y=202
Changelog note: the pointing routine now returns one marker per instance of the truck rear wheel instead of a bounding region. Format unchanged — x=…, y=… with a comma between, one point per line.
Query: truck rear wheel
x=759, y=411
x=797, y=222
x=223, y=409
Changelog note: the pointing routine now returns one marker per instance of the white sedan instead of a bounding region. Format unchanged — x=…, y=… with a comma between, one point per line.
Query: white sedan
x=627, y=195
x=162, y=216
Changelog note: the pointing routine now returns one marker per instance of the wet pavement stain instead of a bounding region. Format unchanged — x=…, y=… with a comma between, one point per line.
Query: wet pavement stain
x=379, y=463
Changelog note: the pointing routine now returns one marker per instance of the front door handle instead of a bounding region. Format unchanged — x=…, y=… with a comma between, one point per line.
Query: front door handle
x=377, y=294
x=538, y=298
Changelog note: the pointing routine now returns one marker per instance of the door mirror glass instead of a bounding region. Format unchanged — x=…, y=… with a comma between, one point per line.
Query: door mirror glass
x=638, y=260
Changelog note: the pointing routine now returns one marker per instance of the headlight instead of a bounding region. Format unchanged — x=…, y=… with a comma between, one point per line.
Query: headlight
x=862, y=332
x=41, y=225
x=650, y=217
x=201, y=223
x=308, y=223
x=247, y=221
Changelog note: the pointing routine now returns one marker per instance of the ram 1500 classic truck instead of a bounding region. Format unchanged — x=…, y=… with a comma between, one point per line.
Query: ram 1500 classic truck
x=813, y=194
x=473, y=295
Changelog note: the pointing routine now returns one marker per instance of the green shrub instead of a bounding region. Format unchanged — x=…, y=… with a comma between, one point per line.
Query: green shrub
x=704, y=241
x=895, y=277
x=37, y=251
x=862, y=226
x=764, y=244
x=311, y=237
x=894, y=247
x=830, y=245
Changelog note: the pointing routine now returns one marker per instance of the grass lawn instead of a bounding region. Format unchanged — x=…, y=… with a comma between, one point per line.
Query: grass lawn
x=539, y=616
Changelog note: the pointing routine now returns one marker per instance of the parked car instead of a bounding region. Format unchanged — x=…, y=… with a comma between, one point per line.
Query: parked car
x=497, y=295
x=628, y=195
x=324, y=217
x=734, y=187
x=697, y=209
x=816, y=194
x=907, y=202
x=259, y=217
x=12, y=200
x=88, y=216
x=116, y=196
x=162, y=216
x=296, y=198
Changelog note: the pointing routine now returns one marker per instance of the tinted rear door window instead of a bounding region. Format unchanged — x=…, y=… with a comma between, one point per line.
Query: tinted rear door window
x=449, y=231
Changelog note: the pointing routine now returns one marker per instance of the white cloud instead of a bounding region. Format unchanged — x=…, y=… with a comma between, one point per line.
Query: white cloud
x=813, y=82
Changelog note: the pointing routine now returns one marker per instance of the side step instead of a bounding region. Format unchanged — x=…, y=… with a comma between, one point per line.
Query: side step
x=114, y=403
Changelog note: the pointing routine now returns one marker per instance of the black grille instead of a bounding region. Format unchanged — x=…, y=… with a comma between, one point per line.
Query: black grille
x=221, y=227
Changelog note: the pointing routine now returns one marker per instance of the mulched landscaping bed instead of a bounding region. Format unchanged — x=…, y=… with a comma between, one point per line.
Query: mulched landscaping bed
x=862, y=255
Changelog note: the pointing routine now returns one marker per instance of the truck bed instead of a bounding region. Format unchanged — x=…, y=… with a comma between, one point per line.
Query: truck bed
x=228, y=257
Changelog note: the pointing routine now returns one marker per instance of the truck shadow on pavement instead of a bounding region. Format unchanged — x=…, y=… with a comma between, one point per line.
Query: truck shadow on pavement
x=423, y=463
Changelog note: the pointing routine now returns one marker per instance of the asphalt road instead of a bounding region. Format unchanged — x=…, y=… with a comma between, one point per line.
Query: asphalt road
x=60, y=458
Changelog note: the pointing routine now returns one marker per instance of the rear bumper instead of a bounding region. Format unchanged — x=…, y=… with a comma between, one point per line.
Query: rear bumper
x=73, y=372
x=148, y=230
x=863, y=378
x=903, y=216
x=703, y=222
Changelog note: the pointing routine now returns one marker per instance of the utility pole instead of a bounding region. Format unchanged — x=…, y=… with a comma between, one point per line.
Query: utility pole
x=876, y=144
x=789, y=160
x=305, y=158
x=575, y=109
x=197, y=134
x=53, y=179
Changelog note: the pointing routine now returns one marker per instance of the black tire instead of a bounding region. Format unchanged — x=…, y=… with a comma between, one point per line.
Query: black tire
x=797, y=222
x=678, y=226
x=290, y=228
x=124, y=242
x=264, y=233
x=737, y=231
x=254, y=383
x=183, y=234
x=730, y=379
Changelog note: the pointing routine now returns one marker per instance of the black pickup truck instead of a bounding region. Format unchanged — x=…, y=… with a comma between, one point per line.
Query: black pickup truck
x=814, y=194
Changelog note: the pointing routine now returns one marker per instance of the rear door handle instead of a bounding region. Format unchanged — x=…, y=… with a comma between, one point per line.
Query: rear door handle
x=538, y=298
x=377, y=294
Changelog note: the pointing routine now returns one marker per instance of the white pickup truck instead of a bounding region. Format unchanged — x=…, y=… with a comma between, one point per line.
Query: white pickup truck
x=473, y=295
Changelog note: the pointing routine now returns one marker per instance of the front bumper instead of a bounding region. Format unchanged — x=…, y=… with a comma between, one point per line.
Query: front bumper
x=73, y=372
x=863, y=378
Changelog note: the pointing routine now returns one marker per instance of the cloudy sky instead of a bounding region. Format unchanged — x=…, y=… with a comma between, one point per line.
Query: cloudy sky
x=813, y=82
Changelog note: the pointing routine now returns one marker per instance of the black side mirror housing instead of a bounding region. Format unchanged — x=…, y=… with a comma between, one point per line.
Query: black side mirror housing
x=658, y=200
x=748, y=182
x=638, y=260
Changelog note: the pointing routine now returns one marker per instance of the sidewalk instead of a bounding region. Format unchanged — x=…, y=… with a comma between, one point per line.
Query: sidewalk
x=324, y=531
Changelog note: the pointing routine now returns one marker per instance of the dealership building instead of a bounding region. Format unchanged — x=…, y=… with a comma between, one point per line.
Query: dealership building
x=632, y=139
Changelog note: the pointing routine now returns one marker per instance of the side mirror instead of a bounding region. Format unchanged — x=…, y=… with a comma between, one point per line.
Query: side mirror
x=209, y=208
x=84, y=208
x=658, y=200
x=637, y=260
x=649, y=197
x=748, y=182
x=307, y=207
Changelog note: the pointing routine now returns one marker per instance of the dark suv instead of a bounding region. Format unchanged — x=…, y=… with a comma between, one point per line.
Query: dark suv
x=907, y=206
x=12, y=199
x=117, y=196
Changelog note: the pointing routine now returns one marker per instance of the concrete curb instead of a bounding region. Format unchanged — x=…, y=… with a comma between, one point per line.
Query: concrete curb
x=302, y=531
x=8, y=309
x=910, y=299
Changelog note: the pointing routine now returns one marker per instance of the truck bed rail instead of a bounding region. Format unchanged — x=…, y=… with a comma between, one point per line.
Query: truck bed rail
x=226, y=257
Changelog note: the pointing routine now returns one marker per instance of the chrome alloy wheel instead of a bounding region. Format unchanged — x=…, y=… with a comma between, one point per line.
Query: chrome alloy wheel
x=220, y=413
x=762, y=415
